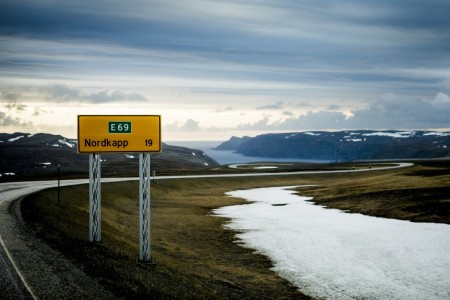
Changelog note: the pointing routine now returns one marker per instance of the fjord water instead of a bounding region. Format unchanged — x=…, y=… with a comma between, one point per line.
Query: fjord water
x=230, y=157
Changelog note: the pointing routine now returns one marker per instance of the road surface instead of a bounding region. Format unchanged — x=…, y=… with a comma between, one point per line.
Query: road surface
x=23, y=258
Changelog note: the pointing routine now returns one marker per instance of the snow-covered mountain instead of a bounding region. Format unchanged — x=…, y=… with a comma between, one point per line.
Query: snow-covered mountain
x=24, y=154
x=40, y=139
x=345, y=145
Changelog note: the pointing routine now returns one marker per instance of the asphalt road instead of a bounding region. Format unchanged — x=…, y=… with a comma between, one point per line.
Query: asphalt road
x=31, y=270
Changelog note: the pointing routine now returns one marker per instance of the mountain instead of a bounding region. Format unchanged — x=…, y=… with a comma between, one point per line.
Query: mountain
x=28, y=155
x=233, y=143
x=345, y=145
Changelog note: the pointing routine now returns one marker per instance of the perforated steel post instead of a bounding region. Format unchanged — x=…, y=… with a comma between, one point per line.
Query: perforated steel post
x=144, y=208
x=95, y=234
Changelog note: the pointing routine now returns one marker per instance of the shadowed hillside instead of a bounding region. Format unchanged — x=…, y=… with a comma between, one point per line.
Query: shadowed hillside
x=27, y=155
x=344, y=145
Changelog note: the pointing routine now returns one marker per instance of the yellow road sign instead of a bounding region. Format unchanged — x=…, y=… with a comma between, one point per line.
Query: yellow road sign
x=119, y=133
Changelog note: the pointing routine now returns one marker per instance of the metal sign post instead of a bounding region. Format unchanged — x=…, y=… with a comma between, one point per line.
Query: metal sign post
x=144, y=208
x=120, y=134
x=95, y=232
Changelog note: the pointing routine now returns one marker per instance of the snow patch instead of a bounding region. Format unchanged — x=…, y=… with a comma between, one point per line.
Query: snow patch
x=399, y=134
x=311, y=133
x=253, y=166
x=437, y=133
x=265, y=167
x=64, y=142
x=15, y=138
x=330, y=254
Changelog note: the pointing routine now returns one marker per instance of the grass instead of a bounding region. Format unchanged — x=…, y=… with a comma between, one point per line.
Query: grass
x=419, y=194
x=195, y=257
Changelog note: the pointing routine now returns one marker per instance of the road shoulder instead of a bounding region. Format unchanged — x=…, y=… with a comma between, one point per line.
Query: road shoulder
x=47, y=272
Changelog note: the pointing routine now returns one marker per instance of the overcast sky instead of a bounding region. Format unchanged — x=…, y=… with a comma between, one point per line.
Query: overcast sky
x=213, y=69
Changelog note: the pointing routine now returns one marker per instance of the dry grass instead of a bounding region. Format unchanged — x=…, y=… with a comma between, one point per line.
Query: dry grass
x=195, y=257
x=420, y=193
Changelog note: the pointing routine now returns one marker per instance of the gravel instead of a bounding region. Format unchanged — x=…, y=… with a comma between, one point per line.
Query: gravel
x=47, y=272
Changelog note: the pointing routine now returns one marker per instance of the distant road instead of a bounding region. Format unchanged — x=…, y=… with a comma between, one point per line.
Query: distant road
x=14, y=284
x=13, y=190
x=387, y=167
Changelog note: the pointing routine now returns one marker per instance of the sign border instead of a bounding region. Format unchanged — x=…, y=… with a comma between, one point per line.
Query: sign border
x=151, y=151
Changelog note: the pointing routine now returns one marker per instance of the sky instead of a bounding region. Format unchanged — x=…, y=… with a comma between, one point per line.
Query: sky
x=213, y=69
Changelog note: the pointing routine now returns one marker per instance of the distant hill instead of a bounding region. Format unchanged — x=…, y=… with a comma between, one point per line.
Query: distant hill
x=344, y=145
x=28, y=155
x=233, y=143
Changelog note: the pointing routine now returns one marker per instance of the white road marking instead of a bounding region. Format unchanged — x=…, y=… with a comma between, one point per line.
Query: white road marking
x=28, y=287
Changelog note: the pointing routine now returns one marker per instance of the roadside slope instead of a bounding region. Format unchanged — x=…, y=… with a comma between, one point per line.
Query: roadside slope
x=195, y=258
x=61, y=278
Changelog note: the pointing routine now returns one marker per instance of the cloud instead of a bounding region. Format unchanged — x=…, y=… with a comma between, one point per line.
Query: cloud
x=62, y=92
x=311, y=54
x=303, y=104
x=262, y=124
x=314, y=120
x=15, y=106
x=441, y=99
x=393, y=111
x=189, y=125
x=288, y=113
x=278, y=105
x=11, y=102
x=389, y=112
x=220, y=110
x=38, y=111
x=9, y=96
x=333, y=107
x=8, y=121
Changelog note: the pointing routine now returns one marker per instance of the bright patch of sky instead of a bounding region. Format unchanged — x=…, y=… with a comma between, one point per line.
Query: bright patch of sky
x=213, y=69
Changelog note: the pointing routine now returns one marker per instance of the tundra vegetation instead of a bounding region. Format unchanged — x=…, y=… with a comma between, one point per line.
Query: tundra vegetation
x=195, y=256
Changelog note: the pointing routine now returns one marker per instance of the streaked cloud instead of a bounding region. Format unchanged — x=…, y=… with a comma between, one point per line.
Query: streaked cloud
x=320, y=64
x=61, y=92
x=277, y=105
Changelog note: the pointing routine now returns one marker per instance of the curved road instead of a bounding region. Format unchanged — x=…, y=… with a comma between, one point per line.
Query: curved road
x=22, y=265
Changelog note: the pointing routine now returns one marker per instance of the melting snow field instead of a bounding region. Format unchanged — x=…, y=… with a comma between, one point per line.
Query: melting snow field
x=331, y=254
